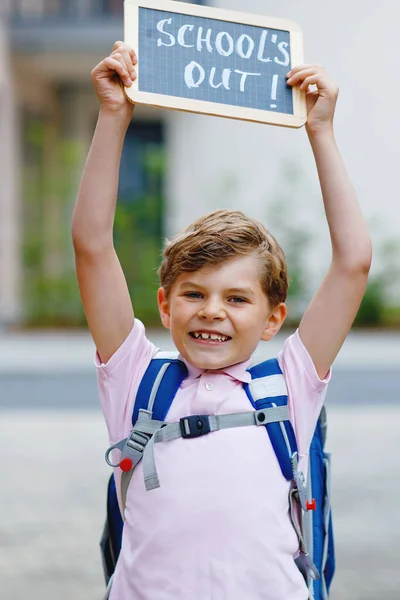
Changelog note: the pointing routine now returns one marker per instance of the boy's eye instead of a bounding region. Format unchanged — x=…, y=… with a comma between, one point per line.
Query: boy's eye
x=237, y=300
x=192, y=295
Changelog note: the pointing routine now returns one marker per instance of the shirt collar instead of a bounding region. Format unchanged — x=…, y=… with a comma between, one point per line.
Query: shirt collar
x=237, y=371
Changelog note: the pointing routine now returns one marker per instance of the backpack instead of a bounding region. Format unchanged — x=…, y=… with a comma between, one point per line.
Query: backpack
x=309, y=503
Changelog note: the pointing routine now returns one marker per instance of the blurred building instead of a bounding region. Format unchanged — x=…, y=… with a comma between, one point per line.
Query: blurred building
x=48, y=112
x=175, y=165
x=48, y=48
x=9, y=197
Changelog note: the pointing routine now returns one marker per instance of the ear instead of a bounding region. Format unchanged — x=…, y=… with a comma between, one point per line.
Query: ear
x=163, y=307
x=274, y=322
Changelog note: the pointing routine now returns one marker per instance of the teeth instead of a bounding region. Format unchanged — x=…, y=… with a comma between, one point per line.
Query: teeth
x=210, y=336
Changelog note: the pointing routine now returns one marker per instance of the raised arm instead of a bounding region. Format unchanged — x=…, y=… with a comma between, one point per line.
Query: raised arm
x=333, y=308
x=102, y=284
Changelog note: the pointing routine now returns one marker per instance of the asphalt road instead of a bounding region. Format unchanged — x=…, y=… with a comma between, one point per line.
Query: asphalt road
x=77, y=391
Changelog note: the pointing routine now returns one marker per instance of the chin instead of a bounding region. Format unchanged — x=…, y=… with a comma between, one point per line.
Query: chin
x=208, y=365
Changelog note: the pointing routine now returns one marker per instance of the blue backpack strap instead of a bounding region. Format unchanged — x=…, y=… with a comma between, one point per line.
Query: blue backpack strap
x=318, y=530
x=158, y=387
x=156, y=392
x=267, y=389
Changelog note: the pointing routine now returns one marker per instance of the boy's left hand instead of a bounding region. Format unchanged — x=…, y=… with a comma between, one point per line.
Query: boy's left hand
x=321, y=101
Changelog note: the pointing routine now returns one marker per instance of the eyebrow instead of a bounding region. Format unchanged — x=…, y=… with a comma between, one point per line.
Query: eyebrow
x=244, y=291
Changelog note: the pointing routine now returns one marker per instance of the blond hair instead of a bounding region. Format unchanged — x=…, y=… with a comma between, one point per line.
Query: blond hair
x=220, y=236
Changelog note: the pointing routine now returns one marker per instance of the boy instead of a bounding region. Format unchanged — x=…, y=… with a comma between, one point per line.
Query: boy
x=218, y=527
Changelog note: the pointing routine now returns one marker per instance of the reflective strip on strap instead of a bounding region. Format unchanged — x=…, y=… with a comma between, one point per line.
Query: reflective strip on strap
x=169, y=385
x=268, y=387
x=285, y=436
x=156, y=385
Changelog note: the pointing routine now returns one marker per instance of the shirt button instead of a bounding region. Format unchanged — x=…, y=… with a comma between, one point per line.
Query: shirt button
x=209, y=387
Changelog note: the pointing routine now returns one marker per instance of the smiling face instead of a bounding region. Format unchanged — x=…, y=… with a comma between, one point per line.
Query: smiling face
x=218, y=314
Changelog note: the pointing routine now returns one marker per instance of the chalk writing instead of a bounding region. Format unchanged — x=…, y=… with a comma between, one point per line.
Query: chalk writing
x=222, y=42
x=214, y=60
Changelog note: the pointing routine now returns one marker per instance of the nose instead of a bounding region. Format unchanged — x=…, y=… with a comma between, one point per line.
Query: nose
x=212, y=310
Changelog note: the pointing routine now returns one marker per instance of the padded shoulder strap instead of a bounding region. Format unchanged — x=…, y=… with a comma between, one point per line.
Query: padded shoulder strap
x=266, y=389
x=159, y=385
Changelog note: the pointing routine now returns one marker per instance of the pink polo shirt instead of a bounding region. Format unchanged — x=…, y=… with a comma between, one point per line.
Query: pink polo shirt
x=218, y=527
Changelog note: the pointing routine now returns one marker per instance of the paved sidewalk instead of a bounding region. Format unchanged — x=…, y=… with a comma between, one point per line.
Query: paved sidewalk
x=74, y=351
x=54, y=477
x=53, y=504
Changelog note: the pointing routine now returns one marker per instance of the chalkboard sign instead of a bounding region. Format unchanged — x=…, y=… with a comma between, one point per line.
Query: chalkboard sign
x=214, y=61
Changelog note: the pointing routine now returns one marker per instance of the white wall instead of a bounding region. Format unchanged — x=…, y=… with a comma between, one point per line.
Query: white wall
x=216, y=162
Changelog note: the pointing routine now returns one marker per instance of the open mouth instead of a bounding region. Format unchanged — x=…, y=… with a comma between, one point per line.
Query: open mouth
x=208, y=336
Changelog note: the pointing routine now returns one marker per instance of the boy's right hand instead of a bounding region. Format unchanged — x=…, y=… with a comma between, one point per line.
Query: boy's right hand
x=109, y=77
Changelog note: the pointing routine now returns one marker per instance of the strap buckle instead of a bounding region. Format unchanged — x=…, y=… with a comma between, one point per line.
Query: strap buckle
x=194, y=426
x=138, y=440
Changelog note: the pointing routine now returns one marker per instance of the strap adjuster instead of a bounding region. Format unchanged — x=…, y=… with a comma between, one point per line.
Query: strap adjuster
x=194, y=426
x=138, y=440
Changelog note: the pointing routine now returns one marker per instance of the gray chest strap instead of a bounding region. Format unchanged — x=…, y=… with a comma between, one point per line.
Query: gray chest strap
x=147, y=432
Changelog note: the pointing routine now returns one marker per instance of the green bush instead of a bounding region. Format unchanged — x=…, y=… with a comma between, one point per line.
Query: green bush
x=137, y=244
x=372, y=310
x=52, y=168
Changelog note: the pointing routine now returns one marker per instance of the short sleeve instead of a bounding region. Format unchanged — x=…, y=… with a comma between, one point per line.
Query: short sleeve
x=119, y=379
x=306, y=391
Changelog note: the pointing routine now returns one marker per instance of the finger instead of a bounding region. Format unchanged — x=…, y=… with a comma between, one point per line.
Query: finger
x=314, y=76
x=120, y=57
x=299, y=76
x=124, y=47
x=132, y=54
x=119, y=67
x=124, y=55
x=324, y=85
x=299, y=68
x=124, y=58
x=311, y=80
x=117, y=45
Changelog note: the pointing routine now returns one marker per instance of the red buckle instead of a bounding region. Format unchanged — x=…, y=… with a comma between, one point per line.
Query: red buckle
x=311, y=505
x=125, y=464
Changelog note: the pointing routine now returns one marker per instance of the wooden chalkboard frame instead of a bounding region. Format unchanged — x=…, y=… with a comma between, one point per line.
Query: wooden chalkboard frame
x=131, y=28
